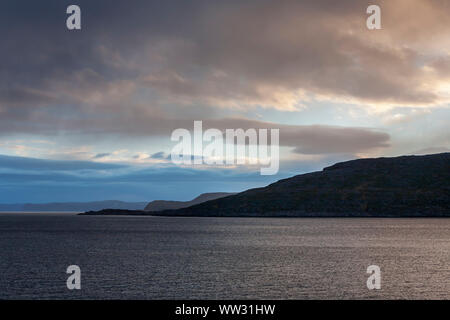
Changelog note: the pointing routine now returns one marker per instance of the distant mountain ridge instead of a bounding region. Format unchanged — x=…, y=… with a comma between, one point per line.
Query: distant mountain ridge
x=159, y=205
x=73, y=206
x=11, y=207
x=406, y=186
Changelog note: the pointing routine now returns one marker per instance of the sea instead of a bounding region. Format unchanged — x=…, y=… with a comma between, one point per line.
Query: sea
x=132, y=257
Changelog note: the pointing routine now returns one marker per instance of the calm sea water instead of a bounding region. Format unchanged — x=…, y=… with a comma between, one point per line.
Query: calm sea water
x=222, y=258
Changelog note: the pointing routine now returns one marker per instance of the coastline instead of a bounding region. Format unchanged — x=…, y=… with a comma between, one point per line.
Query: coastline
x=280, y=214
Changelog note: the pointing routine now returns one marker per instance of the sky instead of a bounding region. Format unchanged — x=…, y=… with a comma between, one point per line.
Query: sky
x=87, y=114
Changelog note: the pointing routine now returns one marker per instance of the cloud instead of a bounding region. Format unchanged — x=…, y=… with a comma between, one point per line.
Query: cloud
x=40, y=180
x=313, y=139
x=431, y=150
x=178, y=62
x=159, y=155
x=22, y=163
x=140, y=71
x=101, y=155
x=271, y=54
x=405, y=115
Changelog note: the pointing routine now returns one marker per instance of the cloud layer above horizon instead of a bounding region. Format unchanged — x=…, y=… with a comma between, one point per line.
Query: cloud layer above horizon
x=113, y=92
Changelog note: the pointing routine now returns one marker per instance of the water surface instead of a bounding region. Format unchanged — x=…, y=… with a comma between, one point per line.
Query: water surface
x=222, y=258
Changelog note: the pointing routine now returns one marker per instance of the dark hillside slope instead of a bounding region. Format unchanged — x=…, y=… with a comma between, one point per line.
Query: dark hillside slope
x=401, y=186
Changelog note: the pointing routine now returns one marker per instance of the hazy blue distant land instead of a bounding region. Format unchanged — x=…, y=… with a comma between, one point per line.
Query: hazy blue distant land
x=407, y=186
x=156, y=205
x=72, y=206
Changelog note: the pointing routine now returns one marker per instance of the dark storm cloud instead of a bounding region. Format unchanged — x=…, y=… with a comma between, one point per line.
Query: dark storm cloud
x=224, y=52
x=255, y=39
x=306, y=139
x=314, y=139
x=131, y=59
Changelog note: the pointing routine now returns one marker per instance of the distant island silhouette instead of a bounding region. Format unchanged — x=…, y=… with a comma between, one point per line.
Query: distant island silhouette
x=160, y=205
x=406, y=186
x=156, y=205
x=72, y=206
